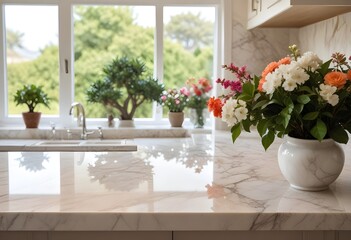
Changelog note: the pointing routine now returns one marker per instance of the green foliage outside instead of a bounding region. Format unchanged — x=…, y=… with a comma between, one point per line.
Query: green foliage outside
x=100, y=34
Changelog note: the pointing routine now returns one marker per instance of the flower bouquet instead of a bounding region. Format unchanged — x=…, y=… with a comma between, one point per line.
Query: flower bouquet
x=198, y=97
x=175, y=100
x=299, y=96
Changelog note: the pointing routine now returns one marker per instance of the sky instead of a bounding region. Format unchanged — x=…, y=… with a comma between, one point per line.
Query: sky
x=40, y=23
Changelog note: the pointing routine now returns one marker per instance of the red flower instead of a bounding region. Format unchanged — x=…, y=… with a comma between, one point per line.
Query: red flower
x=215, y=105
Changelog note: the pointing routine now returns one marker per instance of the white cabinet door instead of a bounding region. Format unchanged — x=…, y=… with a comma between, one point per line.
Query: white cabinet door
x=267, y=4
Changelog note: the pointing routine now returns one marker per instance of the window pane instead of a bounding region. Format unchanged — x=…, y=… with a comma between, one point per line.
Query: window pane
x=102, y=33
x=32, y=53
x=188, y=44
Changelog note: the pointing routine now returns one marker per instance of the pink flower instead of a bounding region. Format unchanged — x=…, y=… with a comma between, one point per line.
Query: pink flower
x=184, y=91
x=163, y=98
x=235, y=86
x=177, y=101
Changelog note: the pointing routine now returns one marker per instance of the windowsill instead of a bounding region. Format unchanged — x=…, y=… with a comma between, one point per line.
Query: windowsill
x=141, y=130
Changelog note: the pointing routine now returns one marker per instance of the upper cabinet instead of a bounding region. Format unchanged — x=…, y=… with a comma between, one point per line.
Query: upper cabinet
x=293, y=13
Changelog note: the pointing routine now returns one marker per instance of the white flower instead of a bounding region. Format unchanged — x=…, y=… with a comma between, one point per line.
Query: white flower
x=242, y=103
x=228, y=115
x=273, y=81
x=289, y=85
x=333, y=100
x=327, y=93
x=293, y=72
x=300, y=76
x=241, y=113
x=234, y=111
x=309, y=61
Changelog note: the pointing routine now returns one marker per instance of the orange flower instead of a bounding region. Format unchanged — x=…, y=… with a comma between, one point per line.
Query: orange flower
x=349, y=75
x=337, y=79
x=204, y=82
x=215, y=105
x=260, y=84
x=284, y=61
x=270, y=68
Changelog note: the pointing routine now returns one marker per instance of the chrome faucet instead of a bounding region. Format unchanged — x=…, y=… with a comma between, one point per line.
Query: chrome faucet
x=81, y=113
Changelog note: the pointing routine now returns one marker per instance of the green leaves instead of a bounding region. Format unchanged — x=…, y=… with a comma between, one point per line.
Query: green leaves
x=236, y=130
x=303, y=99
x=262, y=127
x=248, y=91
x=311, y=116
x=339, y=134
x=31, y=95
x=319, y=131
x=268, y=139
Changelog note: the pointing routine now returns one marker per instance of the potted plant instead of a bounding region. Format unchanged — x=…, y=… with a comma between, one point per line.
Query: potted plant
x=175, y=100
x=31, y=95
x=299, y=97
x=124, y=87
x=199, y=95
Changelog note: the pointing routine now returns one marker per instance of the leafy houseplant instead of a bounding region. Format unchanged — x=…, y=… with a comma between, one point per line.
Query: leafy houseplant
x=125, y=87
x=198, y=97
x=31, y=95
x=299, y=96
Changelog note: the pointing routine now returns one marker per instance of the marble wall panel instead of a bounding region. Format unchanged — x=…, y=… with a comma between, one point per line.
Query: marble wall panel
x=328, y=36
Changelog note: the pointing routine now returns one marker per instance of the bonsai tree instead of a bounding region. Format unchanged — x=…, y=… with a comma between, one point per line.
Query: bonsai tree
x=125, y=87
x=31, y=95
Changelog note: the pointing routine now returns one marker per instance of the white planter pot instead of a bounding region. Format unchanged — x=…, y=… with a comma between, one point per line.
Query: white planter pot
x=310, y=165
x=126, y=124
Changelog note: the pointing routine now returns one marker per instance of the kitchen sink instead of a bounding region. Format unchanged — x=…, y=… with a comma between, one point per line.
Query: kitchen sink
x=113, y=145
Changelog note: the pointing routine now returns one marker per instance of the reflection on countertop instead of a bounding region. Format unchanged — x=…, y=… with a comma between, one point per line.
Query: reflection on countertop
x=202, y=182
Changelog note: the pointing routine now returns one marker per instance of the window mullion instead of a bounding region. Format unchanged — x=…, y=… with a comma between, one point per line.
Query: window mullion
x=158, y=56
x=66, y=60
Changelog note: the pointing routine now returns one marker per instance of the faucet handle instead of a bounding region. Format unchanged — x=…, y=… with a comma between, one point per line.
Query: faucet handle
x=101, y=135
x=69, y=134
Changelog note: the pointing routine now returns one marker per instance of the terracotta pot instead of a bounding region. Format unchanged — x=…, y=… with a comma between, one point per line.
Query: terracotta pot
x=176, y=118
x=31, y=119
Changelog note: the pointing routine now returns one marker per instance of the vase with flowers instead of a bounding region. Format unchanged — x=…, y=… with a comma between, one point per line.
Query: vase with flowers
x=198, y=97
x=299, y=97
x=175, y=100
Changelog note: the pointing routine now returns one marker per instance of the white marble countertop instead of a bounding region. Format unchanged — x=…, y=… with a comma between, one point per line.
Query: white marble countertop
x=202, y=182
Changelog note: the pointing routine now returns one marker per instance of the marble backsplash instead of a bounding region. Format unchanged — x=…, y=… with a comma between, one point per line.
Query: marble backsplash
x=328, y=36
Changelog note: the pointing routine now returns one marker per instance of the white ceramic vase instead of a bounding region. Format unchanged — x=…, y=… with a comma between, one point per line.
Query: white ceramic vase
x=310, y=165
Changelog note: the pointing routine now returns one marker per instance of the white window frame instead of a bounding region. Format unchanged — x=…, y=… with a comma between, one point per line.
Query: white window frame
x=222, y=52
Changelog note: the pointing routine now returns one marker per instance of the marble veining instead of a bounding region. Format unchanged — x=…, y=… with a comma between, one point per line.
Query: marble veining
x=201, y=182
x=328, y=36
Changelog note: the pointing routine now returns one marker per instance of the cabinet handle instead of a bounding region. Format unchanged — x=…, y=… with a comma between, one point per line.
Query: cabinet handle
x=254, y=5
x=66, y=65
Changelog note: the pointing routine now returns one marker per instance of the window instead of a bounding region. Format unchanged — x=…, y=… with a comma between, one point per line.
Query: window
x=103, y=32
x=32, y=53
x=63, y=46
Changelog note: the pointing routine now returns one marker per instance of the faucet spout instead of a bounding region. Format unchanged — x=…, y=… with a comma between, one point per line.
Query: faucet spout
x=81, y=112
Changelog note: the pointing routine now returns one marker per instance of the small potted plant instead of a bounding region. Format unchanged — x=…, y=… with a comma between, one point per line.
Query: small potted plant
x=125, y=87
x=175, y=100
x=31, y=95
